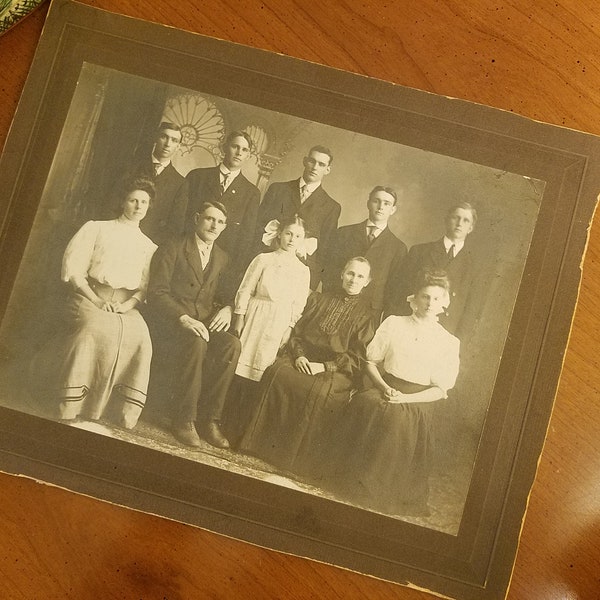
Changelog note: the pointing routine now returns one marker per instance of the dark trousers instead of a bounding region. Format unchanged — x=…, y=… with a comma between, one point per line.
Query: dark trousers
x=192, y=376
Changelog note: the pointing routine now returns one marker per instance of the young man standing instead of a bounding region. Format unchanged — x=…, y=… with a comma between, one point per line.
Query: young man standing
x=454, y=255
x=226, y=183
x=166, y=215
x=372, y=239
x=306, y=198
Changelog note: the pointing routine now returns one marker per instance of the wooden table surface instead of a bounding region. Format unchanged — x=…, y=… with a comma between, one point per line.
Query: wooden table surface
x=540, y=59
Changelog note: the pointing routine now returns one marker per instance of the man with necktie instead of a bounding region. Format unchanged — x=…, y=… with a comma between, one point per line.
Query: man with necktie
x=166, y=216
x=453, y=254
x=374, y=240
x=227, y=184
x=194, y=355
x=306, y=198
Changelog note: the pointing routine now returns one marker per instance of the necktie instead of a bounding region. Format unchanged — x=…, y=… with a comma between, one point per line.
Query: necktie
x=224, y=182
x=304, y=193
x=451, y=252
x=156, y=168
x=371, y=233
x=204, y=256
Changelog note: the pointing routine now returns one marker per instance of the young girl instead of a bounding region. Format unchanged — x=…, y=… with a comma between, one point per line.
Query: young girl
x=270, y=300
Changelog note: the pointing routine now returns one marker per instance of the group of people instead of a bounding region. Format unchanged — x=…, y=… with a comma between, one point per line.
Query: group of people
x=331, y=343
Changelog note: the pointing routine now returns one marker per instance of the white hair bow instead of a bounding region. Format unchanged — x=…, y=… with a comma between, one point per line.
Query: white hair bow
x=307, y=247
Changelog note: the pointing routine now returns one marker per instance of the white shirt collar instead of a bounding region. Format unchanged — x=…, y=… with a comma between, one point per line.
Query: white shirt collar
x=202, y=245
x=458, y=244
x=231, y=174
x=380, y=228
x=311, y=187
x=163, y=165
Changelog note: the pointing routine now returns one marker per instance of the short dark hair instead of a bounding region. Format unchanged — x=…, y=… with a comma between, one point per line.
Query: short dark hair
x=168, y=125
x=238, y=133
x=388, y=190
x=211, y=204
x=464, y=206
x=322, y=150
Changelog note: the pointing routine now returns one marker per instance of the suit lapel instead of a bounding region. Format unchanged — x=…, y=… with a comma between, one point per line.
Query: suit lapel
x=235, y=186
x=214, y=264
x=295, y=194
x=360, y=235
x=385, y=236
x=464, y=257
x=313, y=200
x=438, y=254
x=193, y=257
x=214, y=183
x=165, y=172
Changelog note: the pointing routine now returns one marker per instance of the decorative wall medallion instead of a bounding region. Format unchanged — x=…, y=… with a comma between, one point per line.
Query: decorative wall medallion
x=201, y=123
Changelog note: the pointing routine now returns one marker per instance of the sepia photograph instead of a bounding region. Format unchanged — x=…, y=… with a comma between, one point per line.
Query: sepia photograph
x=310, y=344
x=234, y=292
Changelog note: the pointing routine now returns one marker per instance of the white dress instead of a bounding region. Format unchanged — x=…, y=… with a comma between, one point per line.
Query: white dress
x=104, y=358
x=272, y=296
x=114, y=253
x=415, y=350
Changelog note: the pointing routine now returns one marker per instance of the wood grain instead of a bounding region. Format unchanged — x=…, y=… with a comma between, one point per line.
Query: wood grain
x=537, y=59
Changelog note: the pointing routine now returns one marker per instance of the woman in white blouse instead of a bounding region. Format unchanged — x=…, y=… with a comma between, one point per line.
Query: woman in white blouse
x=385, y=436
x=107, y=351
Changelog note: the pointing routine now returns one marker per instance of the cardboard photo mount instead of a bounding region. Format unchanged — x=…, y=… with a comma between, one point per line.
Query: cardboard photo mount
x=475, y=564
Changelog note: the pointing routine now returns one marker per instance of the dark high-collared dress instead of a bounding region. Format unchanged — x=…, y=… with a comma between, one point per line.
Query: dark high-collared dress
x=296, y=412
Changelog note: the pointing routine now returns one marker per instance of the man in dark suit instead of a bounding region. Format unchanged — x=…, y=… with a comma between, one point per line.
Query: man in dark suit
x=373, y=240
x=189, y=328
x=225, y=183
x=166, y=215
x=455, y=255
x=306, y=198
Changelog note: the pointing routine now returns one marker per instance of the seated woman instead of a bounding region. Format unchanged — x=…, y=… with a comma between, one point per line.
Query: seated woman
x=104, y=358
x=384, y=441
x=302, y=392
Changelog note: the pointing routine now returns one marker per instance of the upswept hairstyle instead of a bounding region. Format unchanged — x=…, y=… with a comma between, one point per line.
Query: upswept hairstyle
x=130, y=184
x=431, y=277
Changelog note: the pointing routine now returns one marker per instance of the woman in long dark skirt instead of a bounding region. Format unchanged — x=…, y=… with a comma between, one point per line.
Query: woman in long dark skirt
x=385, y=437
x=302, y=392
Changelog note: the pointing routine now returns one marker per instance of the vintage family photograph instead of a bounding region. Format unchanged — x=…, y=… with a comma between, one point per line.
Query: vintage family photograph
x=274, y=296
